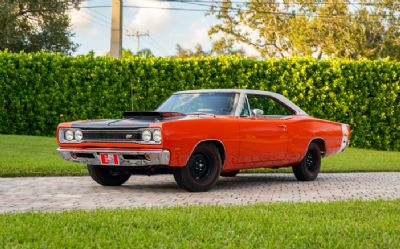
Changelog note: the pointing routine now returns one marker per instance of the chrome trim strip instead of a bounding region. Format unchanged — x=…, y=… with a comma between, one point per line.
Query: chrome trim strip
x=62, y=139
x=158, y=156
x=240, y=104
x=345, y=140
x=120, y=141
x=134, y=130
x=112, y=130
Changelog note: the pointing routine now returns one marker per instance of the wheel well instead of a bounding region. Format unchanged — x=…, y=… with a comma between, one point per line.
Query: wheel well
x=321, y=143
x=220, y=146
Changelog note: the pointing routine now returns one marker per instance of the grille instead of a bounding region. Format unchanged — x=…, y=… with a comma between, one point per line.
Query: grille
x=112, y=135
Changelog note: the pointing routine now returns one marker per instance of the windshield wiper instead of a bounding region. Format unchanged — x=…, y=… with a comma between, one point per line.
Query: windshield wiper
x=200, y=113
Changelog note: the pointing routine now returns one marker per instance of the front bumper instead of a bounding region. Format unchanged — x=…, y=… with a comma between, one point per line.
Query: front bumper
x=126, y=157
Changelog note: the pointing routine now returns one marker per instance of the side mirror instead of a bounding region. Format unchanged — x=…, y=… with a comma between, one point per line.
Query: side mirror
x=258, y=112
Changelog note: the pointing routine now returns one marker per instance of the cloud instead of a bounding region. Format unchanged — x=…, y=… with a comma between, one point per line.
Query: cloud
x=250, y=50
x=198, y=35
x=81, y=18
x=100, y=52
x=253, y=35
x=152, y=20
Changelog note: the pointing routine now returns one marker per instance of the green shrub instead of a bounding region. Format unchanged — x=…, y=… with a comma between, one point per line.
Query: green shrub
x=39, y=90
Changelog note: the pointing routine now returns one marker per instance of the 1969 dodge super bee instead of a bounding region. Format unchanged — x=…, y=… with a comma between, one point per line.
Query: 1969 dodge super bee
x=199, y=135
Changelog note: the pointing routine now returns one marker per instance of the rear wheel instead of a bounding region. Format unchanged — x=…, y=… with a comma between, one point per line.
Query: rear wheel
x=309, y=167
x=202, y=170
x=107, y=176
x=230, y=173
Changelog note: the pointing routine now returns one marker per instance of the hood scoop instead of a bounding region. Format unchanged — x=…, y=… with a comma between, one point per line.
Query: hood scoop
x=143, y=115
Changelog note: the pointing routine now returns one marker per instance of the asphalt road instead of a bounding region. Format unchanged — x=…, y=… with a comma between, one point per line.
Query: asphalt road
x=65, y=193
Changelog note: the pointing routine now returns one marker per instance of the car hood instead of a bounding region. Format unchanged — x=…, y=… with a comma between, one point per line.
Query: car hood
x=131, y=120
x=139, y=120
x=113, y=123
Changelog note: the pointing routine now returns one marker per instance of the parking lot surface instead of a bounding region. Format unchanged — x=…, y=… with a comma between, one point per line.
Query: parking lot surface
x=65, y=193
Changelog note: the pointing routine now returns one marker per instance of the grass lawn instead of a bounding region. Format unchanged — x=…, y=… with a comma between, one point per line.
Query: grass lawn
x=36, y=156
x=350, y=224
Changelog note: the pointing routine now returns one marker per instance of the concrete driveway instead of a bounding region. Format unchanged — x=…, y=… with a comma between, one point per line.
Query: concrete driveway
x=63, y=193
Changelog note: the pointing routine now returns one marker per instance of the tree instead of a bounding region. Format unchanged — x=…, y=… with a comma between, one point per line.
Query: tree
x=199, y=51
x=340, y=28
x=126, y=53
x=145, y=52
x=36, y=25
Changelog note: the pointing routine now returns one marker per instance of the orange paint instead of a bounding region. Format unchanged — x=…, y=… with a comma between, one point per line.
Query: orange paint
x=249, y=142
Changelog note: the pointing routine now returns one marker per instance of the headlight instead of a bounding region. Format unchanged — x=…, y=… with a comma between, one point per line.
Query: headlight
x=78, y=135
x=69, y=135
x=146, y=135
x=157, y=136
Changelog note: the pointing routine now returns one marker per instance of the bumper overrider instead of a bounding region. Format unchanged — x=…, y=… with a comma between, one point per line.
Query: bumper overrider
x=126, y=157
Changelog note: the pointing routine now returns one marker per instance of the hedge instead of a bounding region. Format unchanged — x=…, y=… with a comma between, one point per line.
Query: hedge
x=39, y=90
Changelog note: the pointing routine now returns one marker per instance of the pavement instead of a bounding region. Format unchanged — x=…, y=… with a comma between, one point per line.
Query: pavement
x=20, y=194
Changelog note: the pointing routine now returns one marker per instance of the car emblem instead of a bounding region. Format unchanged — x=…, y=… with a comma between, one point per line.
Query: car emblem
x=129, y=136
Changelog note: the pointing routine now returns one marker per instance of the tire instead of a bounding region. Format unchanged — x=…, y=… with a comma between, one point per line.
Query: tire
x=309, y=167
x=202, y=170
x=230, y=173
x=107, y=176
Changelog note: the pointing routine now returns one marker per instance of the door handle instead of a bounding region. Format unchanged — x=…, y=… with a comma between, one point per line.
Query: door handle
x=284, y=127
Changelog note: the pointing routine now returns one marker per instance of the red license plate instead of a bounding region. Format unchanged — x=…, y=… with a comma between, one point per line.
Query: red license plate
x=109, y=159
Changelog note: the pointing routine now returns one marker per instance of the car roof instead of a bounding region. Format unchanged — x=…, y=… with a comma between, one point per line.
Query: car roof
x=225, y=91
x=277, y=96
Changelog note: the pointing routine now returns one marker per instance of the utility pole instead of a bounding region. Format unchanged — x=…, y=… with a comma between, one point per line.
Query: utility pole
x=137, y=34
x=116, y=29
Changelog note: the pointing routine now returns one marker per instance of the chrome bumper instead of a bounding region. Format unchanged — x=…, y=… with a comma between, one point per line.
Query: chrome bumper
x=126, y=157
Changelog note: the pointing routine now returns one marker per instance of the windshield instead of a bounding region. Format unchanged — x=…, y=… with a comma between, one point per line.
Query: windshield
x=212, y=103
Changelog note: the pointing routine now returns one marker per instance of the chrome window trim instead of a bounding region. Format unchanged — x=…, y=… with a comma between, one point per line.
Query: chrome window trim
x=277, y=96
x=276, y=100
x=236, y=104
x=244, y=101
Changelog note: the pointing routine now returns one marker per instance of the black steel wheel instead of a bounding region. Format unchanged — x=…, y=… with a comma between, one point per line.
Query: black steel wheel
x=230, y=173
x=308, y=169
x=202, y=170
x=108, y=176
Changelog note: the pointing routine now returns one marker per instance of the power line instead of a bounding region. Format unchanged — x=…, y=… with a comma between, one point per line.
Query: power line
x=230, y=10
x=126, y=31
x=276, y=3
x=100, y=15
x=99, y=22
x=161, y=48
x=137, y=34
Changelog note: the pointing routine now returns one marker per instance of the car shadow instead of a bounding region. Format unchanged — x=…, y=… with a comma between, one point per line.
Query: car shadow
x=225, y=183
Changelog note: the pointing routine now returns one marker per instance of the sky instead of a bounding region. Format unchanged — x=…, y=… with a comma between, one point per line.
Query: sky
x=166, y=27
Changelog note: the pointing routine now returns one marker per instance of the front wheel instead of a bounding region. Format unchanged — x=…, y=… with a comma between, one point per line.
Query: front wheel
x=309, y=167
x=202, y=170
x=107, y=176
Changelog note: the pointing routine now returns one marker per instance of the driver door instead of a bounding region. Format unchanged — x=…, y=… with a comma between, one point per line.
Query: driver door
x=263, y=137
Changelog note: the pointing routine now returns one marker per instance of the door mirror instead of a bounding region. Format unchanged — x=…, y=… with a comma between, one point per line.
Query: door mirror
x=258, y=112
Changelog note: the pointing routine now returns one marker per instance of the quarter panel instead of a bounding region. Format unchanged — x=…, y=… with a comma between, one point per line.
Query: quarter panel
x=303, y=129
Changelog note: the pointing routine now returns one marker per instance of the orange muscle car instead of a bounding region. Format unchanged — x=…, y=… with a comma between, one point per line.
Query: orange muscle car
x=199, y=135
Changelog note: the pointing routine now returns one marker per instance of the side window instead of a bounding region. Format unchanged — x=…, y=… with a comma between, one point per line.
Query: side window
x=245, y=111
x=268, y=105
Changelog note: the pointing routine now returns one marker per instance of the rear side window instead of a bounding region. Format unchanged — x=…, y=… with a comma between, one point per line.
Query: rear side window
x=269, y=106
